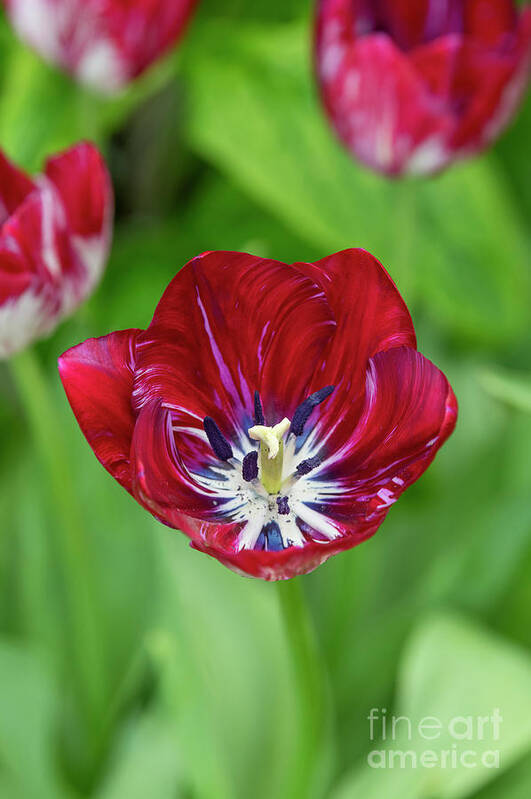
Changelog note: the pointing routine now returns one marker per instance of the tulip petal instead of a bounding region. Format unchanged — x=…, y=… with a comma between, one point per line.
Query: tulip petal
x=15, y=186
x=38, y=233
x=142, y=31
x=281, y=565
x=63, y=229
x=35, y=242
x=412, y=85
x=14, y=278
x=206, y=352
x=98, y=379
x=104, y=43
x=23, y=310
x=378, y=102
x=83, y=183
x=470, y=80
x=161, y=480
x=409, y=412
x=411, y=22
x=501, y=77
x=53, y=246
x=370, y=314
x=371, y=317
x=489, y=21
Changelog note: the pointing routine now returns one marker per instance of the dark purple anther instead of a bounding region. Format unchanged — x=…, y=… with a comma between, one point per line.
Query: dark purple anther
x=300, y=417
x=216, y=439
x=304, y=467
x=283, y=506
x=258, y=411
x=250, y=466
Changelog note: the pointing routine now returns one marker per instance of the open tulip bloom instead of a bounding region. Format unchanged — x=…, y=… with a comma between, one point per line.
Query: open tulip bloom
x=273, y=413
x=103, y=43
x=55, y=232
x=412, y=85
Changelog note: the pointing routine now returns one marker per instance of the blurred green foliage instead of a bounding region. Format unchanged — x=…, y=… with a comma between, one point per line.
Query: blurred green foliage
x=131, y=666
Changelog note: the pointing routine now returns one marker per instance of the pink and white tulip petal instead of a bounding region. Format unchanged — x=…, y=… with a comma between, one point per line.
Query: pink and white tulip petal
x=54, y=241
x=103, y=43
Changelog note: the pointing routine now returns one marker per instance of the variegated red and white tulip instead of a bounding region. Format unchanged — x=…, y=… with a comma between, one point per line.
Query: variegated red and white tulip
x=103, y=43
x=412, y=85
x=54, y=239
x=273, y=413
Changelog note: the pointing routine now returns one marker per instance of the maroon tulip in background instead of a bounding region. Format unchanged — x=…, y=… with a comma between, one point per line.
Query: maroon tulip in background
x=412, y=85
x=54, y=239
x=104, y=43
x=317, y=362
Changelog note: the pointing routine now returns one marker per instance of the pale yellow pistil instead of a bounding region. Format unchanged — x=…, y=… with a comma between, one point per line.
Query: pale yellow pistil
x=271, y=453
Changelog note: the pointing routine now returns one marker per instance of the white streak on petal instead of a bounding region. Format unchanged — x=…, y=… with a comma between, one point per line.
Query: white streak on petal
x=224, y=372
x=291, y=535
x=23, y=319
x=93, y=253
x=191, y=431
x=249, y=535
x=260, y=352
x=101, y=66
x=69, y=34
x=387, y=497
x=52, y=218
x=37, y=23
x=430, y=156
x=331, y=60
x=315, y=520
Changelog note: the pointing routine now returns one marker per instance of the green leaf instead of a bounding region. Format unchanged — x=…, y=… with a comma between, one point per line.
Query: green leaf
x=511, y=388
x=27, y=702
x=452, y=673
x=280, y=149
x=475, y=253
x=146, y=762
x=512, y=784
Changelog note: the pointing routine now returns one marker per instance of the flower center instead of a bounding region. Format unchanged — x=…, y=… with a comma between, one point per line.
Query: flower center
x=272, y=513
x=275, y=505
x=271, y=453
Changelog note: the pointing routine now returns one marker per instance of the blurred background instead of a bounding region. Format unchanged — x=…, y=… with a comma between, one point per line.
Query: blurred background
x=133, y=667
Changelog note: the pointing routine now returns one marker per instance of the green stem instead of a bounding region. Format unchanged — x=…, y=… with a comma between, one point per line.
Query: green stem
x=406, y=219
x=82, y=641
x=308, y=678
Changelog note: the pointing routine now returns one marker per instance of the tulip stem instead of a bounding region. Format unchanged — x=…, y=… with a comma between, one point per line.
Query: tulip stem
x=310, y=688
x=83, y=651
x=405, y=266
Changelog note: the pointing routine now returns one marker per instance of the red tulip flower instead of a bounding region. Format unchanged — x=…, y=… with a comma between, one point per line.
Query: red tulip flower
x=103, y=43
x=413, y=85
x=273, y=413
x=54, y=238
